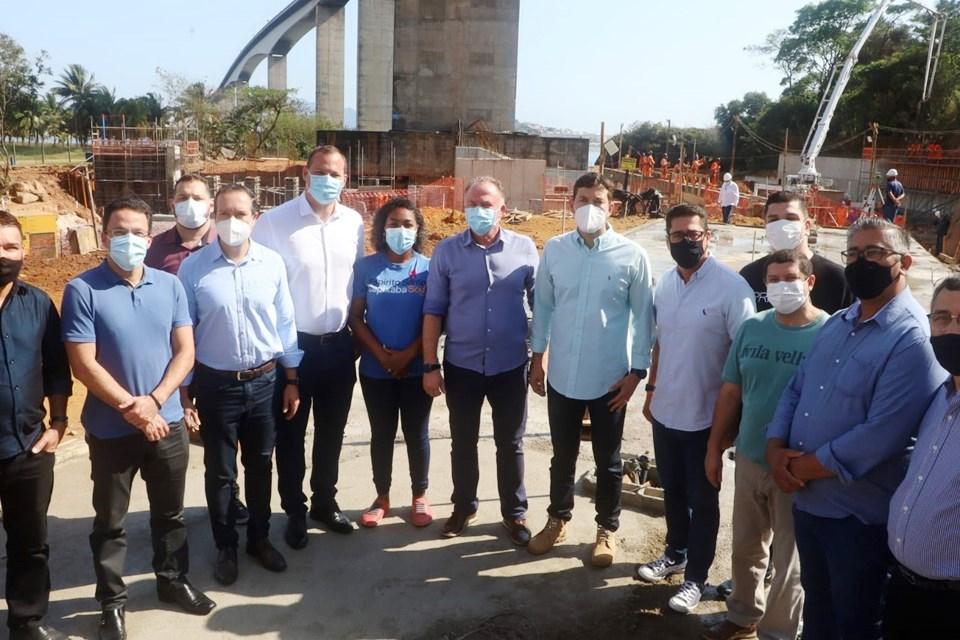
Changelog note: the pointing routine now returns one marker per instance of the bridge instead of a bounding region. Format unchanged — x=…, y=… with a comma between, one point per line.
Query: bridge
x=375, y=56
x=413, y=69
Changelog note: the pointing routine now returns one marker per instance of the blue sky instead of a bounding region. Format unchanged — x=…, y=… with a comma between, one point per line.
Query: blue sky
x=579, y=62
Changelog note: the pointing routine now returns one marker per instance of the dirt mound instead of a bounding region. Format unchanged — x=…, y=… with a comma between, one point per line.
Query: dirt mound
x=48, y=185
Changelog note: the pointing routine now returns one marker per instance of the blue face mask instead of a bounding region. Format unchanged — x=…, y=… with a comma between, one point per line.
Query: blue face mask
x=400, y=239
x=325, y=189
x=481, y=219
x=128, y=251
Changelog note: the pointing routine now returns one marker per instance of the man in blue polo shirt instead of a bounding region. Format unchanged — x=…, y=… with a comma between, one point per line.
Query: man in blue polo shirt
x=129, y=338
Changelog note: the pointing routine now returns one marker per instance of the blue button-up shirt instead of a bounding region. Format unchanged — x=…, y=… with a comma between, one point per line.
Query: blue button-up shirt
x=480, y=291
x=598, y=294
x=924, y=525
x=242, y=312
x=856, y=402
x=33, y=364
x=131, y=326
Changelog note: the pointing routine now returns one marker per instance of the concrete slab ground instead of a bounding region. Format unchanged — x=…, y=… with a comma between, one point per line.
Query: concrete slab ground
x=401, y=582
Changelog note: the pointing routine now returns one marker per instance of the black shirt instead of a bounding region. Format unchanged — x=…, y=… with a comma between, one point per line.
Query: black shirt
x=34, y=365
x=830, y=291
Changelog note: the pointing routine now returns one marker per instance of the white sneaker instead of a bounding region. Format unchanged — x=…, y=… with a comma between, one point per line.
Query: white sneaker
x=687, y=598
x=659, y=569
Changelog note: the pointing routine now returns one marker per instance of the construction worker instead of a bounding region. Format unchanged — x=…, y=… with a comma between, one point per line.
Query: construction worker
x=729, y=197
x=893, y=196
x=664, y=167
x=714, y=172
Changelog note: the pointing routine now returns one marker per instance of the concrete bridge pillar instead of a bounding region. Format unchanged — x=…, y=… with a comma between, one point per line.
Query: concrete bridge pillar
x=375, y=65
x=330, y=55
x=276, y=71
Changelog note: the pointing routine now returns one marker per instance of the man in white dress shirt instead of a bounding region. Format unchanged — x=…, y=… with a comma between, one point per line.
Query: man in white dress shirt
x=319, y=240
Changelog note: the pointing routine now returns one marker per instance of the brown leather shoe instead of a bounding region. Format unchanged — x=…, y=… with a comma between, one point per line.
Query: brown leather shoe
x=552, y=534
x=727, y=630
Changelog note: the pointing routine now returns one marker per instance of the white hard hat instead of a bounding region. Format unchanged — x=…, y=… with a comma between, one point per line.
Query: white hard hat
x=892, y=173
x=727, y=177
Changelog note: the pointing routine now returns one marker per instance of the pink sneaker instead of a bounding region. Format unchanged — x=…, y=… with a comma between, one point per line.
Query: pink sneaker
x=377, y=512
x=420, y=513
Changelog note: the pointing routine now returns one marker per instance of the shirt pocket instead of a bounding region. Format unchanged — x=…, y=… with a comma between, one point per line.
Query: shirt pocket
x=857, y=375
x=709, y=318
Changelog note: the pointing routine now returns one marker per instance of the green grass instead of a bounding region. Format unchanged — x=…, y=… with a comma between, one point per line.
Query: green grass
x=30, y=156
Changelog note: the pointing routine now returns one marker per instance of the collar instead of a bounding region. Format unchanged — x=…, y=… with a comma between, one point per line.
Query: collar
x=600, y=242
x=466, y=238
x=254, y=254
x=172, y=236
x=306, y=210
x=885, y=315
x=704, y=270
x=112, y=277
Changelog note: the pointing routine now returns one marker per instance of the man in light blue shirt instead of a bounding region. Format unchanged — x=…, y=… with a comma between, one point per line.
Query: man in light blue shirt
x=699, y=306
x=597, y=284
x=239, y=301
x=841, y=433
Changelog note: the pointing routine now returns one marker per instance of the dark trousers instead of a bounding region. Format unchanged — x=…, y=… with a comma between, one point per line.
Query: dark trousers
x=386, y=400
x=327, y=375
x=691, y=503
x=843, y=570
x=163, y=466
x=911, y=611
x=727, y=210
x=26, y=482
x=606, y=432
x=231, y=412
x=507, y=394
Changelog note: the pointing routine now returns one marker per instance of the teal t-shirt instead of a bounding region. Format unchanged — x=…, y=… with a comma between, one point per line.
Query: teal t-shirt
x=762, y=359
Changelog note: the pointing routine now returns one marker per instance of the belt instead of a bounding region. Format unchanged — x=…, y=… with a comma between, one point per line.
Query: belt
x=324, y=338
x=927, y=583
x=241, y=376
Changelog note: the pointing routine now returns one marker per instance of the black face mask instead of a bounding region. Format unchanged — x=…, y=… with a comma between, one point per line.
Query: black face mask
x=9, y=270
x=686, y=253
x=947, y=350
x=868, y=279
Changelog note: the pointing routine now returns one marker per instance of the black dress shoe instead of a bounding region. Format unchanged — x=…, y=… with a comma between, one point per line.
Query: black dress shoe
x=333, y=519
x=225, y=571
x=37, y=632
x=457, y=522
x=241, y=515
x=296, y=533
x=268, y=556
x=519, y=533
x=112, y=624
x=184, y=595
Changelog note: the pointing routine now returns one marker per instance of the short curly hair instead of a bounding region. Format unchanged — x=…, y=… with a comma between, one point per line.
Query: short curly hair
x=378, y=230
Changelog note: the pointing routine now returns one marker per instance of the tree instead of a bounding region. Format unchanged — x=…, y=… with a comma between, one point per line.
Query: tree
x=20, y=82
x=249, y=126
x=78, y=89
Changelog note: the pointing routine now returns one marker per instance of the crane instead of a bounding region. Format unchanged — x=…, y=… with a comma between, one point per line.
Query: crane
x=840, y=76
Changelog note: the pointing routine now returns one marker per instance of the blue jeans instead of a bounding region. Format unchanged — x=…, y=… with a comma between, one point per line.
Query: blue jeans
x=843, y=570
x=507, y=394
x=606, y=433
x=386, y=400
x=230, y=412
x=726, y=212
x=691, y=503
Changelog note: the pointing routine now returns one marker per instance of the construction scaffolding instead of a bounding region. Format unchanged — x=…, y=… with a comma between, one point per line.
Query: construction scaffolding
x=142, y=161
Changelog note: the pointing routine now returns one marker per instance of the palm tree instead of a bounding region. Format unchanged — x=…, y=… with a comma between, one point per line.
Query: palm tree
x=78, y=89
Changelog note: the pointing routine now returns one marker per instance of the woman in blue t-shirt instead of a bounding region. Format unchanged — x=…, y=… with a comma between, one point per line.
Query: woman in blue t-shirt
x=386, y=317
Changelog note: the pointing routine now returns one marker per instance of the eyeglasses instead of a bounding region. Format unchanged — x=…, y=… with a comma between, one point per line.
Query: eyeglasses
x=873, y=254
x=941, y=320
x=692, y=236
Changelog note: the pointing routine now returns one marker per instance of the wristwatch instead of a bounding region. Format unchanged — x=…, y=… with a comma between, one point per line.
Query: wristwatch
x=650, y=388
x=640, y=373
x=293, y=382
x=431, y=367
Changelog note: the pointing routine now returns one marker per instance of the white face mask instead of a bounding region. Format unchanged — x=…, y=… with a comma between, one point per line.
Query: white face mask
x=787, y=297
x=590, y=219
x=233, y=232
x=784, y=234
x=192, y=214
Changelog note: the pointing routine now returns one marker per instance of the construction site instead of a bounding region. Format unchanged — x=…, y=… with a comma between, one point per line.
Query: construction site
x=423, y=133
